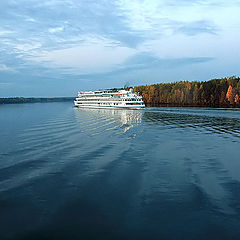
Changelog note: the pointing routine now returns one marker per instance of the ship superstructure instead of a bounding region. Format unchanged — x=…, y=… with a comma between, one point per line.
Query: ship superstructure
x=111, y=98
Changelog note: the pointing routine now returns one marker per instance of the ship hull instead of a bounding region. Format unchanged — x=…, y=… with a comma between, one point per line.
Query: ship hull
x=110, y=107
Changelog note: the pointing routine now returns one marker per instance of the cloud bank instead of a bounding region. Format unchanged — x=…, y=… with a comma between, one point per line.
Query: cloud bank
x=77, y=42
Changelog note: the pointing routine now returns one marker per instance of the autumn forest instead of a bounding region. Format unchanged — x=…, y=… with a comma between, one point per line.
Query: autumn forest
x=222, y=92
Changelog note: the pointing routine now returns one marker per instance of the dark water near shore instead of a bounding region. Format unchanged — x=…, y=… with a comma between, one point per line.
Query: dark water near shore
x=158, y=173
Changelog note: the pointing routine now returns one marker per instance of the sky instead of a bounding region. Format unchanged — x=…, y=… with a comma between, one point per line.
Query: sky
x=57, y=47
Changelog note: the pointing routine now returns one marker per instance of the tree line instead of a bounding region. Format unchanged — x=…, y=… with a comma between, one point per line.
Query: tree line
x=224, y=92
x=34, y=100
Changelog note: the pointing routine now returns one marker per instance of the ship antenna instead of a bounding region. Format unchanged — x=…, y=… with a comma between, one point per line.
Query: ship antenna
x=126, y=85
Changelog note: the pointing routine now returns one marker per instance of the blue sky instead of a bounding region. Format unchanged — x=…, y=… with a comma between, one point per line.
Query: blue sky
x=57, y=47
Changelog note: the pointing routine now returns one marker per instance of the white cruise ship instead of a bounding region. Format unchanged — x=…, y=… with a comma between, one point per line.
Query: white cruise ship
x=112, y=98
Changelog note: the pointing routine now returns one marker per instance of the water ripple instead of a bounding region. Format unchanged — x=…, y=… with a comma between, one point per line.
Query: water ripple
x=218, y=125
x=140, y=173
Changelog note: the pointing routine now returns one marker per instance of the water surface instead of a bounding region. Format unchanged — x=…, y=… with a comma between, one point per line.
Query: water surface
x=157, y=173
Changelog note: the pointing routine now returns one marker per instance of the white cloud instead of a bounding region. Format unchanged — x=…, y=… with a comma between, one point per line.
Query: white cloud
x=163, y=17
x=142, y=15
x=30, y=19
x=92, y=56
x=27, y=47
x=56, y=29
x=4, y=32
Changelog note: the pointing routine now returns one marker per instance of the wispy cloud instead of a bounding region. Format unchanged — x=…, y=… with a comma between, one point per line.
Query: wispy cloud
x=4, y=68
x=95, y=55
x=27, y=47
x=147, y=61
x=197, y=27
x=157, y=18
x=5, y=32
x=5, y=84
x=56, y=29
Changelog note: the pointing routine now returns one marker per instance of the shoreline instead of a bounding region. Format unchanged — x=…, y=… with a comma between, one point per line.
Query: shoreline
x=191, y=106
x=20, y=100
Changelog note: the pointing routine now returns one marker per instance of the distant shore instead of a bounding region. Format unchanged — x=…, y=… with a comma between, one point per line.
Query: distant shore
x=15, y=100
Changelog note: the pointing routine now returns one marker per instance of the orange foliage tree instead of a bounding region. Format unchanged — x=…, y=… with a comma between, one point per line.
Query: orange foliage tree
x=224, y=92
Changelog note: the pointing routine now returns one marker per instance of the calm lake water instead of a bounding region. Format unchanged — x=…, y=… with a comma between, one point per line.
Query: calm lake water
x=157, y=173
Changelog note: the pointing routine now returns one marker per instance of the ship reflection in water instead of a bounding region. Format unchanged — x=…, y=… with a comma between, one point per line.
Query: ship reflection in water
x=96, y=121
